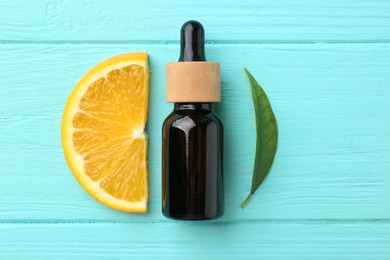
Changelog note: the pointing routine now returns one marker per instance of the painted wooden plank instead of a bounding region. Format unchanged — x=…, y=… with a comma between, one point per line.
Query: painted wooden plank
x=265, y=21
x=196, y=240
x=331, y=102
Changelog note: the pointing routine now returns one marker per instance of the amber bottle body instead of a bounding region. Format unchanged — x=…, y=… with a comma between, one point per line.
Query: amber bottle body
x=192, y=179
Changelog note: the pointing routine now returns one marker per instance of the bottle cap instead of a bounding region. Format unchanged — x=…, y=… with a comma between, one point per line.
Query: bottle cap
x=192, y=79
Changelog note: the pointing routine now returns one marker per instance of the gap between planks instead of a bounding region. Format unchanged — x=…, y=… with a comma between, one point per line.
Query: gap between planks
x=215, y=222
x=210, y=42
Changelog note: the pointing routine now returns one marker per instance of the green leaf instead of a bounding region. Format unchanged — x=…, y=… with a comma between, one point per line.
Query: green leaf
x=266, y=135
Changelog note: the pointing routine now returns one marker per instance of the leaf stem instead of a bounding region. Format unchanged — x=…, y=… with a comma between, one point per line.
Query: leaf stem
x=246, y=201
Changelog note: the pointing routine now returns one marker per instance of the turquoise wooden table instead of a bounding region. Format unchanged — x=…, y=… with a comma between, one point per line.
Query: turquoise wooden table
x=325, y=66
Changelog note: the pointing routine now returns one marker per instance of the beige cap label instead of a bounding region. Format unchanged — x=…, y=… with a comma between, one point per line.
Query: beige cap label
x=193, y=82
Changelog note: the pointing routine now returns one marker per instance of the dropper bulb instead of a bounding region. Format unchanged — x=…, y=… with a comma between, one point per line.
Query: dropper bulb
x=192, y=42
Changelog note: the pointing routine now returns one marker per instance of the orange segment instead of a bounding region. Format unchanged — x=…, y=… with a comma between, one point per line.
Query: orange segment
x=103, y=132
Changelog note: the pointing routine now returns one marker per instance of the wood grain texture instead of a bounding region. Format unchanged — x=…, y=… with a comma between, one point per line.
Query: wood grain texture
x=325, y=66
x=231, y=21
x=197, y=240
x=330, y=101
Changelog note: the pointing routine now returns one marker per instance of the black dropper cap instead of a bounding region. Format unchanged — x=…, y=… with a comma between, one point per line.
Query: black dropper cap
x=192, y=42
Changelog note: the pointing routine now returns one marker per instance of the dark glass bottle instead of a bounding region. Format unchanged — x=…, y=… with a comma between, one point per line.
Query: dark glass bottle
x=192, y=146
x=192, y=163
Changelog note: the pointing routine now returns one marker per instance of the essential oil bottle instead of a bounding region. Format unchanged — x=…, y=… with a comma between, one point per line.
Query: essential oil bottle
x=192, y=136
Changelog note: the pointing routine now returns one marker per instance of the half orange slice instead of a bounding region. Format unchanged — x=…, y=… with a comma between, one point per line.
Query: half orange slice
x=103, y=134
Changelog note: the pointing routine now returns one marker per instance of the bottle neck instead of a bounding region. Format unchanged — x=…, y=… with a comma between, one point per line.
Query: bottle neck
x=193, y=106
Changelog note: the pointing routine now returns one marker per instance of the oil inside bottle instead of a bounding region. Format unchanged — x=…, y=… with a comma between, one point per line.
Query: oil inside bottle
x=192, y=163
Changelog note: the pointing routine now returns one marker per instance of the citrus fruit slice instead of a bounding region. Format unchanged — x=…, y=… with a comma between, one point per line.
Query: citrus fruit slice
x=103, y=134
